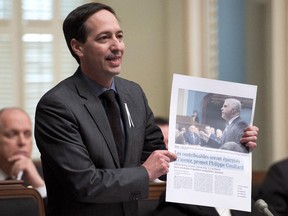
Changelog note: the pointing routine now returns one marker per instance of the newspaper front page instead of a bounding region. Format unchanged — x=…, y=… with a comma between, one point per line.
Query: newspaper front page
x=206, y=122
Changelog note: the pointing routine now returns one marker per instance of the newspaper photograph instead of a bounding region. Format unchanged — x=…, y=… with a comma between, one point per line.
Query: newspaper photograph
x=207, y=119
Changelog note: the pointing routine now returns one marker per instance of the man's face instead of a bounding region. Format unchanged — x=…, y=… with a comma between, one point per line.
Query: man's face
x=208, y=130
x=192, y=129
x=227, y=111
x=101, y=54
x=15, y=134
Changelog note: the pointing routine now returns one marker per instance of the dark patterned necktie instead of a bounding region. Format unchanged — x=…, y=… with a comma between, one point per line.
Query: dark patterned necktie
x=114, y=117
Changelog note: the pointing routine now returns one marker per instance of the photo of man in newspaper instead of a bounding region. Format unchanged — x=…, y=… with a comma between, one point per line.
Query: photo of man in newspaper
x=221, y=124
x=212, y=162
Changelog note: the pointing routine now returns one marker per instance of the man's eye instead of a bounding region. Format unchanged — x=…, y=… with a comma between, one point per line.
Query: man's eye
x=103, y=38
x=120, y=36
x=28, y=134
x=10, y=134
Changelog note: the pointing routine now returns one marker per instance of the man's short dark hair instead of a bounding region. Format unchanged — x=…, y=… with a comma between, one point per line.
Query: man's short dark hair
x=73, y=25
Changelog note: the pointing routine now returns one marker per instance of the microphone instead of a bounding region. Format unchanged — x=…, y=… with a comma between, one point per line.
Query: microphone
x=262, y=207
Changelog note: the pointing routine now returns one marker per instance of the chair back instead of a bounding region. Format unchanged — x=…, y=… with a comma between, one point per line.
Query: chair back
x=15, y=200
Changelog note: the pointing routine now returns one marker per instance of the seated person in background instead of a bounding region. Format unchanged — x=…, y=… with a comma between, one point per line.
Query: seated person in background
x=191, y=136
x=195, y=116
x=163, y=124
x=219, y=134
x=274, y=189
x=208, y=139
x=16, y=149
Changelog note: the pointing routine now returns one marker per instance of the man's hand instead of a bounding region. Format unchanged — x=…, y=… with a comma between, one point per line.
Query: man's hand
x=157, y=163
x=25, y=164
x=250, y=137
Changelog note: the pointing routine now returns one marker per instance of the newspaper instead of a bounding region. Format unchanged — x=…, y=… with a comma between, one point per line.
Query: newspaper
x=214, y=169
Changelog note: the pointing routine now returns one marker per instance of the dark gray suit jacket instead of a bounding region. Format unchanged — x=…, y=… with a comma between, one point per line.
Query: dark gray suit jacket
x=235, y=131
x=80, y=162
x=231, y=137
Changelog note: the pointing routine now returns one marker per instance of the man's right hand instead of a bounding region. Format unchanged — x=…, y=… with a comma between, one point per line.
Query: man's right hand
x=25, y=164
x=157, y=163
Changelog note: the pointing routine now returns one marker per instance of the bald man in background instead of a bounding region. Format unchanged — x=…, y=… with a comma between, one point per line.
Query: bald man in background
x=16, y=149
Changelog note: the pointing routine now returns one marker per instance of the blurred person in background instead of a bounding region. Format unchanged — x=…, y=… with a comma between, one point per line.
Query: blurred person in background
x=163, y=123
x=100, y=147
x=16, y=149
x=274, y=189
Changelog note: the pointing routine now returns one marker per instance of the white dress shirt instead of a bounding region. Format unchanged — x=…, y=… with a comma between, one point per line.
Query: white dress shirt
x=223, y=212
x=42, y=190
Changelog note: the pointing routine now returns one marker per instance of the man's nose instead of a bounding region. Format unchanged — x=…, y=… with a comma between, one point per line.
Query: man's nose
x=116, y=44
x=22, y=140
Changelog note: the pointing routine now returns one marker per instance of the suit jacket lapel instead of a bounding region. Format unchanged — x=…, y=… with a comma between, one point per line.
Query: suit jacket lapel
x=96, y=110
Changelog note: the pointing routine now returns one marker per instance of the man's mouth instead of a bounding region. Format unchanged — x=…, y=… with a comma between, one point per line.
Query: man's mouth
x=24, y=153
x=115, y=60
x=113, y=57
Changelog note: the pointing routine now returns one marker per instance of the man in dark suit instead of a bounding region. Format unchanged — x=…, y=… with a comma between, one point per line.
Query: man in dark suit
x=234, y=130
x=85, y=172
x=16, y=149
x=235, y=125
x=191, y=136
x=274, y=189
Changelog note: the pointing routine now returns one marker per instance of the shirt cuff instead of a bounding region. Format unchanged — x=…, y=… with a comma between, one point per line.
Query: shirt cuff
x=42, y=191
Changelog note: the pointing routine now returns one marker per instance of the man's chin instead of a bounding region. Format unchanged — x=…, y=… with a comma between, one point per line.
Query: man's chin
x=114, y=72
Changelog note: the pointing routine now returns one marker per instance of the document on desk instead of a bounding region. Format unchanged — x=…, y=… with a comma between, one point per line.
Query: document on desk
x=207, y=119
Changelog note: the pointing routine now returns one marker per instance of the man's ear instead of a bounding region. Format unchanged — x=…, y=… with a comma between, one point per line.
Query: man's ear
x=76, y=47
x=234, y=111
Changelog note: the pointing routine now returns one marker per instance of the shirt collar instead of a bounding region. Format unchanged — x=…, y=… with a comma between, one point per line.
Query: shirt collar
x=3, y=176
x=96, y=87
x=231, y=120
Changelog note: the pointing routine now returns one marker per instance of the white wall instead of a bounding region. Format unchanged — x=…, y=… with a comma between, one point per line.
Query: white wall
x=153, y=34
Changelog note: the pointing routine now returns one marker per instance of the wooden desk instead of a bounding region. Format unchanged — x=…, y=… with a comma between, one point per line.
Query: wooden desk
x=156, y=189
